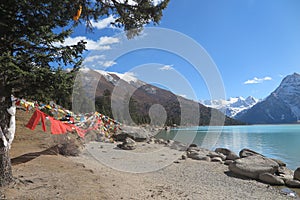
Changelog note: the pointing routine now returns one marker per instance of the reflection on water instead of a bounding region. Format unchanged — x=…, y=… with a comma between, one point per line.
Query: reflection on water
x=275, y=141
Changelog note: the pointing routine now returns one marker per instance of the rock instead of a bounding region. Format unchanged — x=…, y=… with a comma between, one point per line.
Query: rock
x=151, y=141
x=193, y=145
x=197, y=153
x=292, y=183
x=160, y=141
x=271, y=179
x=170, y=142
x=252, y=166
x=228, y=162
x=201, y=151
x=230, y=155
x=197, y=156
x=193, y=149
x=285, y=173
x=297, y=174
x=91, y=135
x=206, y=151
x=205, y=158
x=128, y=144
x=121, y=137
x=178, y=146
x=280, y=163
x=139, y=134
x=183, y=157
x=217, y=159
x=219, y=155
x=248, y=152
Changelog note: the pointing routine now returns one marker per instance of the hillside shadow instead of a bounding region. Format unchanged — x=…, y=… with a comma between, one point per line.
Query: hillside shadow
x=30, y=156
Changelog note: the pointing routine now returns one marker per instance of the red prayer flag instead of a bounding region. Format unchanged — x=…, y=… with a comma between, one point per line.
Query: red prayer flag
x=35, y=118
x=57, y=127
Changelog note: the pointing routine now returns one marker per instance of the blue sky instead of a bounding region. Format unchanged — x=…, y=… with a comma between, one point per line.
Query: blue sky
x=253, y=43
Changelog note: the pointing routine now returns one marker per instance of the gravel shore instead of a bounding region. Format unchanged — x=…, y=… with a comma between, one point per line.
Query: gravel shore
x=182, y=179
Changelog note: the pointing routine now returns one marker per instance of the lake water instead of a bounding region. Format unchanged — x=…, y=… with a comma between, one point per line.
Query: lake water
x=274, y=141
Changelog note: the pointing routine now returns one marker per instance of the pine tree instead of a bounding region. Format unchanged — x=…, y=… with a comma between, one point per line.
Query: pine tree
x=30, y=62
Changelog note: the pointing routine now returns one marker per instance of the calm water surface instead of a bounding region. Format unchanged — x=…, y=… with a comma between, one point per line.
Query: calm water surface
x=275, y=141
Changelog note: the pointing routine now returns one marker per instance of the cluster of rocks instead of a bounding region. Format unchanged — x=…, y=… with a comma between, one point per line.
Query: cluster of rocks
x=127, y=144
x=249, y=164
x=129, y=135
x=221, y=155
x=130, y=144
x=272, y=171
x=137, y=133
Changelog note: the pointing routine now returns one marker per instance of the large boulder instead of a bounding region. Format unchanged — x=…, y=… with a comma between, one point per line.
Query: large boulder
x=248, y=152
x=297, y=174
x=213, y=154
x=128, y=144
x=198, y=153
x=121, y=136
x=228, y=162
x=200, y=150
x=280, y=163
x=177, y=145
x=253, y=166
x=230, y=155
x=284, y=173
x=137, y=133
x=217, y=159
x=292, y=183
x=271, y=179
x=197, y=156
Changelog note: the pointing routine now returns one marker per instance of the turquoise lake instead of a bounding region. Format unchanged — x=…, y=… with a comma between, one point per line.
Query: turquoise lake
x=274, y=141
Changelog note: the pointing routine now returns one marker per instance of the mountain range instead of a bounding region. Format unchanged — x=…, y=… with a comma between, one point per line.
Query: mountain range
x=281, y=106
x=127, y=94
x=232, y=106
x=144, y=102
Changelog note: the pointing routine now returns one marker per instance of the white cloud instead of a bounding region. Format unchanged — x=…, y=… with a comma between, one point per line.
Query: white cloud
x=101, y=44
x=108, y=40
x=256, y=80
x=166, y=68
x=93, y=58
x=104, y=23
x=105, y=64
x=183, y=95
x=108, y=63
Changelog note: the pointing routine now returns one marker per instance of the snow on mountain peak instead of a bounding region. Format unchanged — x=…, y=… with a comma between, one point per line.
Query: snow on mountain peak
x=281, y=106
x=127, y=76
x=288, y=91
x=231, y=106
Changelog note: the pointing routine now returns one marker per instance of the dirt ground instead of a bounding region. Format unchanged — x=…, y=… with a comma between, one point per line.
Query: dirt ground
x=43, y=174
x=40, y=173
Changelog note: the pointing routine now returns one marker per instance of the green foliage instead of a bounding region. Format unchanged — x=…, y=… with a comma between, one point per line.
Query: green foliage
x=31, y=31
x=103, y=103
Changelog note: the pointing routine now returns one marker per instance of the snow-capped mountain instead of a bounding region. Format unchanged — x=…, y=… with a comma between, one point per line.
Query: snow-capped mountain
x=232, y=106
x=129, y=78
x=281, y=106
x=127, y=91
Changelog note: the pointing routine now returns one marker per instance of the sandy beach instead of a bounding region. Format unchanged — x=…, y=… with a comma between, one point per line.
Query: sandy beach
x=103, y=171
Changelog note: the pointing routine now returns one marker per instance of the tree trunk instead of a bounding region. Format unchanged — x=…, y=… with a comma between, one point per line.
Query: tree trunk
x=5, y=163
x=6, y=176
